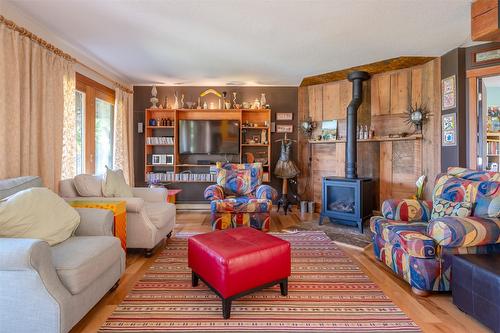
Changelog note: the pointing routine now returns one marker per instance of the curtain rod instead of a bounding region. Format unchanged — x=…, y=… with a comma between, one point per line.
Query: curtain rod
x=42, y=42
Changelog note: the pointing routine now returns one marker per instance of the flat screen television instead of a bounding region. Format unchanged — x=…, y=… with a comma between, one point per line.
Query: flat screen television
x=209, y=137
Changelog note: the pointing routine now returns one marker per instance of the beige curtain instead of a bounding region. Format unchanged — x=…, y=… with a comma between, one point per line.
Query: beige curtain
x=32, y=108
x=123, y=153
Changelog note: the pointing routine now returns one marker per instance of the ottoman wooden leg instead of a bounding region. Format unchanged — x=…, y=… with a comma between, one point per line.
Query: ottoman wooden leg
x=226, y=308
x=194, y=279
x=284, y=287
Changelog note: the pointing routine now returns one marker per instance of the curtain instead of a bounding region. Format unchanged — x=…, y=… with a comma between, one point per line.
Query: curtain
x=32, y=107
x=123, y=154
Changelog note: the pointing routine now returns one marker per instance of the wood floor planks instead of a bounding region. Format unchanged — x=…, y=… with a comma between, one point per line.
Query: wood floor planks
x=433, y=314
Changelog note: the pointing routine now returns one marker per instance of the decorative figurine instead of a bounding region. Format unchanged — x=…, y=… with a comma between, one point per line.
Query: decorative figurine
x=263, y=136
x=205, y=105
x=256, y=104
x=176, y=100
x=153, y=99
x=165, y=103
x=182, y=101
x=234, y=100
x=199, y=103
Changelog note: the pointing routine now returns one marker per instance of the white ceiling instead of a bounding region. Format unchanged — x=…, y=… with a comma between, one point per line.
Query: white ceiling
x=250, y=42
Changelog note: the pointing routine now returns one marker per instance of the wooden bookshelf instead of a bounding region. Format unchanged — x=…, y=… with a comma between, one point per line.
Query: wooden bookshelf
x=260, y=120
x=492, y=148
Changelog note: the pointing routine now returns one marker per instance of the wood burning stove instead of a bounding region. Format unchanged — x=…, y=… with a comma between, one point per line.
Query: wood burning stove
x=349, y=200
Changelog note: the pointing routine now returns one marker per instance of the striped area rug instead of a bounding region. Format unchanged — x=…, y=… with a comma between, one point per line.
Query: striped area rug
x=327, y=292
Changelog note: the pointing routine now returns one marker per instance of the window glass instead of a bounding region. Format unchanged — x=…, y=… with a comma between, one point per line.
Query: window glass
x=103, y=136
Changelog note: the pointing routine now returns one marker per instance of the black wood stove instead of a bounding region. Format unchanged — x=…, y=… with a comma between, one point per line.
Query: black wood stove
x=349, y=200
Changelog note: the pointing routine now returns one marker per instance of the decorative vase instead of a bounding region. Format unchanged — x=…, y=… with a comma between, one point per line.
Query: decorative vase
x=234, y=99
x=262, y=100
x=153, y=99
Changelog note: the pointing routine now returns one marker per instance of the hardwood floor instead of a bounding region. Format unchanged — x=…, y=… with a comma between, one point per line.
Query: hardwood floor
x=435, y=313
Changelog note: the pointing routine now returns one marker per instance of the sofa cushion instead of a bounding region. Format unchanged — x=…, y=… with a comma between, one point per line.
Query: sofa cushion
x=407, y=210
x=81, y=260
x=442, y=208
x=486, y=198
x=241, y=205
x=160, y=213
x=88, y=185
x=256, y=171
x=37, y=213
x=410, y=237
x=234, y=182
x=473, y=174
x=114, y=184
x=464, y=231
x=450, y=188
x=14, y=185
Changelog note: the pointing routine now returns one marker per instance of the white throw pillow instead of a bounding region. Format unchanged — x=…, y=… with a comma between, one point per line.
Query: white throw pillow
x=88, y=185
x=37, y=213
x=114, y=184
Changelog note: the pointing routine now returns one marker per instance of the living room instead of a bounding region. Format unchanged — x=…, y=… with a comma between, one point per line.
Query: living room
x=241, y=166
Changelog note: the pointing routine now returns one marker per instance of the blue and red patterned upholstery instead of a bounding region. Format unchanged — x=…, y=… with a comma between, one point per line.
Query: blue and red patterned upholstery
x=239, y=200
x=419, y=248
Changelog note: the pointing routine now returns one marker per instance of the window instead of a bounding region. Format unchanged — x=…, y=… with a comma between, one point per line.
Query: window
x=94, y=125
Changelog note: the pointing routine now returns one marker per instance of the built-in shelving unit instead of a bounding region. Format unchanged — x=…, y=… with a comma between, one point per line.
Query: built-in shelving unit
x=255, y=139
x=492, y=149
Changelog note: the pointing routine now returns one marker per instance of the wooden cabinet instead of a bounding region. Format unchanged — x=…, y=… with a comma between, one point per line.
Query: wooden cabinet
x=331, y=101
x=485, y=20
x=316, y=102
x=400, y=91
x=380, y=94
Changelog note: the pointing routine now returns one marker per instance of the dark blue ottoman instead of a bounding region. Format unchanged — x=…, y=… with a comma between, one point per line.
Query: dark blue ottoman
x=475, y=286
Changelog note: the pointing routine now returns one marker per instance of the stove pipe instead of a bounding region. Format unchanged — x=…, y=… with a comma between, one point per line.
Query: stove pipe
x=351, y=153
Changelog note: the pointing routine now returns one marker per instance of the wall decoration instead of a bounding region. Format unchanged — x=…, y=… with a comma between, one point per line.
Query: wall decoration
x=416, y=116
x=284, y=116
x=449, y=129
x=449, y=95
x=284, y=128
x=329, y=130
x=487, y=56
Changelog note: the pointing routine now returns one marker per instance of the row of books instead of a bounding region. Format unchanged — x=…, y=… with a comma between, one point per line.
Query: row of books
x=493, y=148
x=158, y=177
x=160, y=140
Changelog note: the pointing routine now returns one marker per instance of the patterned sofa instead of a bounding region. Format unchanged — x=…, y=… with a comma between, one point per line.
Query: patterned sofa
x=239, y=198
x=420, y=248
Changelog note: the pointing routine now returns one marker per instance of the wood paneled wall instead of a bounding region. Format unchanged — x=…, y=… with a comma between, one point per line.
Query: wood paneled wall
x=395, y=165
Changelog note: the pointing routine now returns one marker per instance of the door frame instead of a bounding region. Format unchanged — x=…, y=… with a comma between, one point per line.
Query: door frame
x=472, y=76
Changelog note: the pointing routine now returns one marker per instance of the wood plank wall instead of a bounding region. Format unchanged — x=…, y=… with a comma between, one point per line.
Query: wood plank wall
x=395, y=165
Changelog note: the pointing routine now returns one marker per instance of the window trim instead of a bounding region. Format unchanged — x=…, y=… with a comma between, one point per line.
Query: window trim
x=92, y=90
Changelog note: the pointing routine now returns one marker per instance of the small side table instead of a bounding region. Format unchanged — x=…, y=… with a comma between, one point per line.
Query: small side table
x=119, y=209
x=171, y=195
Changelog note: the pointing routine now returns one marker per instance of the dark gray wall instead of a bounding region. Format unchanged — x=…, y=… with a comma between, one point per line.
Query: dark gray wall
x=281, y=99
x=453, y=63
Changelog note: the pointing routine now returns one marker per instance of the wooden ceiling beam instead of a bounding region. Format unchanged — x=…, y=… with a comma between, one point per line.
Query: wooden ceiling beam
x=373, y=68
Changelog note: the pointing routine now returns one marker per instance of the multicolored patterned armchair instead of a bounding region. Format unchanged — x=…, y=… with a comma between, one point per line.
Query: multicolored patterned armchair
x=417, y=241
x=239, y=198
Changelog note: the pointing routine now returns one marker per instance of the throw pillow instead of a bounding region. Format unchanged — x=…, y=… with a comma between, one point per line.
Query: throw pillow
x=37, y=213
x=442, y=208
x=235, y=182
x=114, y=184
x=486, y=198
x=88, y=185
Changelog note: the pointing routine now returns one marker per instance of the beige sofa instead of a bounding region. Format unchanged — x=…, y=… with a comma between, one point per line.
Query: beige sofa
x=50, y=288
x=149, y=217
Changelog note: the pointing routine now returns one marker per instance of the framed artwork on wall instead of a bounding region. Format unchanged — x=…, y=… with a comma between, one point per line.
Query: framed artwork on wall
x=449, y=129
x=284, y=128
x=448, y=93
x=284, y=116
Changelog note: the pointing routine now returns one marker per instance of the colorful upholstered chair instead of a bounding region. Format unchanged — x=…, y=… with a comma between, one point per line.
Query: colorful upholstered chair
x=239, y=198
x=418, y=243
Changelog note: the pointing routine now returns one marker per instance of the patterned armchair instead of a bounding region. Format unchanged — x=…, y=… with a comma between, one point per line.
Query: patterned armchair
x=417, y=239
x=239, y=198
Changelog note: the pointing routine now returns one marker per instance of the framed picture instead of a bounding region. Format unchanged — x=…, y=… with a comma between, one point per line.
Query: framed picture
x=449, y=129
x=169, y=159
x=284, y=116
x=448, y=93
x=284, y=128
x=158, y=159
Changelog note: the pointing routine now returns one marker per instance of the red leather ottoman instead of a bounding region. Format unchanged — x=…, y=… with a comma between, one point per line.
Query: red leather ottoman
x=236, y=262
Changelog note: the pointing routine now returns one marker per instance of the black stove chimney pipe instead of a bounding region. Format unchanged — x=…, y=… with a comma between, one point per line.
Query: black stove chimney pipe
x=351, y=152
